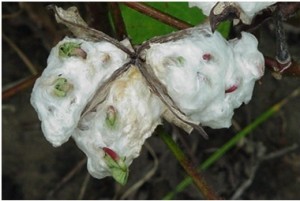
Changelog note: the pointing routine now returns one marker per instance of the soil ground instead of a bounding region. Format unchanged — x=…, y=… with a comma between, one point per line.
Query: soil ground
x=33, y=169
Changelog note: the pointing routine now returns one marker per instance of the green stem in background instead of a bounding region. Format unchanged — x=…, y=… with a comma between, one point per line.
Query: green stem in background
x=188, y=167
x=227, y=146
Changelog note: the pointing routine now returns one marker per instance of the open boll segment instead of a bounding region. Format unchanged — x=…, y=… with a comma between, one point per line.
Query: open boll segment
x=113, y=134
x=75, y=69
x=207, y=76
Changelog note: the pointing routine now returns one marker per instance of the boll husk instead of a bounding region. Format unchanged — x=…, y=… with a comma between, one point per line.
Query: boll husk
x=248, y=10
x=122, y=123
x=69, y=82
x=207, y=76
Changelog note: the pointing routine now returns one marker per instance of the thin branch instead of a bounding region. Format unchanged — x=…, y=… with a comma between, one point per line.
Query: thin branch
x=246, y=184
x=147, y=176
x=190, y=169
x=273, y=65
x=20, y=53
x=84, y=185
x=68, y=177
x=156, y=14
x=98, y=16
x=280, y=152
x=19, y=86
x=233, y=141
x=282, y=54
x=118, y=20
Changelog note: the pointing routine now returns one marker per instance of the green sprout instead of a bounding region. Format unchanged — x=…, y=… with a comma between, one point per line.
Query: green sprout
x=61, y=87
x=117, y=166
x=69, y=49
x=181, y=60
x=111, y=116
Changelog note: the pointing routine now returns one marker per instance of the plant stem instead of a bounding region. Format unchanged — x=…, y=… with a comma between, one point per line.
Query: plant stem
x=19, y=86
x=227, y=146
x=118, y=20
x=188, y=167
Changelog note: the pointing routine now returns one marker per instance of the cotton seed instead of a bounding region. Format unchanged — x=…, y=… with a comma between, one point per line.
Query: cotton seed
x=61, y=87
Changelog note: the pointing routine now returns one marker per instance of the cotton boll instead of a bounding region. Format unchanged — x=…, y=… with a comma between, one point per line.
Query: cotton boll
x=122, y=123
x=246, y=51
x=247, y=67
x=193, y=70
x=216, y=115
x=59, y=105
x=250, y=67
x=59, y=115
x=190, y=67
x=207, y=76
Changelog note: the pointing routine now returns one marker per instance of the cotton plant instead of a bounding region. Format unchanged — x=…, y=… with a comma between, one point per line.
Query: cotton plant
x=110, y=97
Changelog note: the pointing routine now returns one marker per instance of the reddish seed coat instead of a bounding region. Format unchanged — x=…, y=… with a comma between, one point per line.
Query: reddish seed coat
x=206, y=56
x=231, y=89
x=111, y=153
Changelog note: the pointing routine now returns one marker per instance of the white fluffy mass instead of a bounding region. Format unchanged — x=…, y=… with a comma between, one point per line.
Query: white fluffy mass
x=248, y=9
x=207, y=77
x=202, y=71
x=137, y=115
x=60, y=115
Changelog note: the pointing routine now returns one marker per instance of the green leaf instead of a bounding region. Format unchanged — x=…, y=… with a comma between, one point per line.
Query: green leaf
x=141, y=27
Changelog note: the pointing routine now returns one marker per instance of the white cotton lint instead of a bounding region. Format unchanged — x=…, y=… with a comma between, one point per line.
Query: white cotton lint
x=207, y=76
x=137, y=113
x=60, y=115
x=248, y=9
x=204, y=6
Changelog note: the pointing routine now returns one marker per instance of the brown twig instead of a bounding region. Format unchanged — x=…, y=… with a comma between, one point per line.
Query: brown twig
x=247, y=183
x=20, y=86
x=98, y=17
x=282, y=53
x=84, y=185
x=189, y=168
x=156, y=14
x=147, y=176
x=67, y=177
x=20, y=53
x=118, y=20
x=273, y=65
